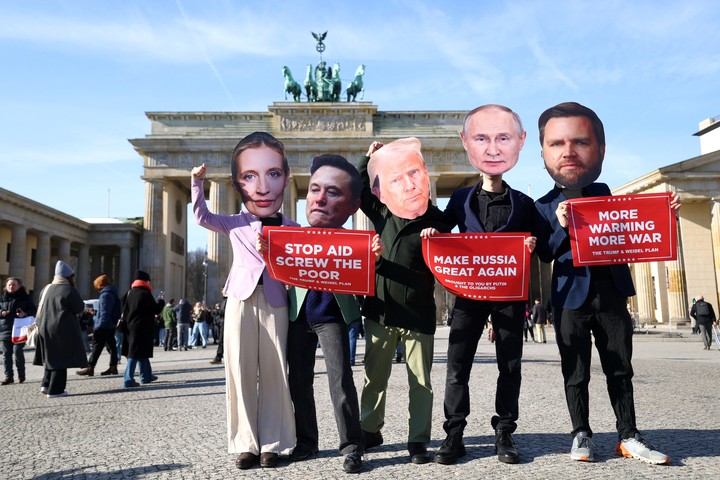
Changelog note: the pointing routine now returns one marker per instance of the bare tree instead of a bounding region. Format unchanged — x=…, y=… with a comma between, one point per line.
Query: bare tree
x=195, y=275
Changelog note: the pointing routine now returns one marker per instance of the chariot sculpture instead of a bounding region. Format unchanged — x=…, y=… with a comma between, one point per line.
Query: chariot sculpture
x=323, y=83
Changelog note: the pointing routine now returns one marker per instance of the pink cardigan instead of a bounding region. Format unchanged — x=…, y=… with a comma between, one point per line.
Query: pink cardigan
x=247, y=264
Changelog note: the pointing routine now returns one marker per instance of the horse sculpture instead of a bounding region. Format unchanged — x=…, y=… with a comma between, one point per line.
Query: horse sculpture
x=310, y=87
x=291, y=86
x=336, y=83
x=356, y=86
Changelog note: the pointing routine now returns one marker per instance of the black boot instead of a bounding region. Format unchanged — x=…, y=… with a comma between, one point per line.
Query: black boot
x=451, y=449
x=505, y=447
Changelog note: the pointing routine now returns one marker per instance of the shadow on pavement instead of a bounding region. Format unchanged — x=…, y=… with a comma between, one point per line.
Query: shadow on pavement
x=123, y=473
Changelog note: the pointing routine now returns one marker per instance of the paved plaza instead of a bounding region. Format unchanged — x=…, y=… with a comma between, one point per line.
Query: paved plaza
x=175, y=428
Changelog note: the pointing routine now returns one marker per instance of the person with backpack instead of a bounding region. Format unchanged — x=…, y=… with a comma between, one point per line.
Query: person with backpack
x=704, y=316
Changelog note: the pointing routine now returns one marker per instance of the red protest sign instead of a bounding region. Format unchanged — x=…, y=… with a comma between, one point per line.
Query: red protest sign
x=622, y=229
x=480, y=266
x=327, y=259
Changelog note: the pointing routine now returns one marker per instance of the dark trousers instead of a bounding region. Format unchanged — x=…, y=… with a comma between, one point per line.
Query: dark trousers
x=706, y=333
x=170, y=338
x=9, y=349
x=55, y=380
x=302, y=346
x=528, y=327
x=469, y=318
x=103, y=337
x=604, y=315
x=221, y=334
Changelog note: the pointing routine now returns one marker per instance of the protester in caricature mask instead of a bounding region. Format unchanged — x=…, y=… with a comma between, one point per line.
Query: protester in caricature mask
x=493, y=137
x=260, y=416
x=323, y=317
x=395, y=197
x=399, y=178
x=588, y=302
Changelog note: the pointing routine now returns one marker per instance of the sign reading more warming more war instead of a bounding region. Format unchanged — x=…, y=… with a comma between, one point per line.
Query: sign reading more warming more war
x=622, y=229
x=480, y=266
x=327, y=259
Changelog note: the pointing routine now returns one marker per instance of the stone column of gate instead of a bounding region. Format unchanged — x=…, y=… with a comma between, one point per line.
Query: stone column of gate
x=18, y=249
x=439, y=289
x=645, y=294
x=125, y=280
x=362, y=222
x=43, y=274
x=715, y=232
x=678, y=306
x=82, y=274
x=152, y=258
x=290, y=199
x=97, y=268
x=218, y=253
x=433, y=188
x=64, y=253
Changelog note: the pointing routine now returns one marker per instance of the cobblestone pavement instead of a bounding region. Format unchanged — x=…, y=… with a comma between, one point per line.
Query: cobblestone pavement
x=175, y=428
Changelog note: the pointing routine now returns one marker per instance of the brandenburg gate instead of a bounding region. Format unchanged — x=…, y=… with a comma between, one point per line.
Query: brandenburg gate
x=178, y=141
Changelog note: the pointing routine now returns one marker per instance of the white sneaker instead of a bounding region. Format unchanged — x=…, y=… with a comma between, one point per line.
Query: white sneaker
x=637, y=447
x=58, y=395
x=582, y=448
x=43, y=389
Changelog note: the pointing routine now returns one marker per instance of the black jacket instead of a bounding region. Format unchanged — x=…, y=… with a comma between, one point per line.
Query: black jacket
x=404, y=285
x=703, y=313
x=11, y=302
x=571, y=284
x=139, y=310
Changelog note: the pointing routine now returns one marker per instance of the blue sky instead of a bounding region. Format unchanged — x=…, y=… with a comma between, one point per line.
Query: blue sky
x=79, y=75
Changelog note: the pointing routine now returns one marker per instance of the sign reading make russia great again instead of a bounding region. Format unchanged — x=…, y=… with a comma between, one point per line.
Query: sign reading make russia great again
x=326, y=259
x=480, y=266
x=622, y=229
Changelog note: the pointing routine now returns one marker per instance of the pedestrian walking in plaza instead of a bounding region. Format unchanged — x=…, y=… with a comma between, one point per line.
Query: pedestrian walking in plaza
x=539, y=318
x=528, y=327
x=260, y=417
x=493, y=137
x=355, y=331
x=139, y=308
x=704, y=316
x=59, y=340
x=183, y=312
x=106, y=318
x=14, y=303
x=588, y=302
x=170, y=321
x=200, y=316
x=219, y=321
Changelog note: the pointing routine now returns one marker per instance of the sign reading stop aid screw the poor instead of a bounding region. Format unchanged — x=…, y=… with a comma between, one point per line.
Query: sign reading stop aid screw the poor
x=480, y=266
x=622, y=229
x=326, y=259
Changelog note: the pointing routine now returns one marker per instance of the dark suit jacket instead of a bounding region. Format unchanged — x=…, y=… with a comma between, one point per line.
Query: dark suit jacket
x=458, y=211
x=348, y=304
x=570, y=284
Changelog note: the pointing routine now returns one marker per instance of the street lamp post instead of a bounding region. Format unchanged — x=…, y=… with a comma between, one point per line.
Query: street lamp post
x=205, y=275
